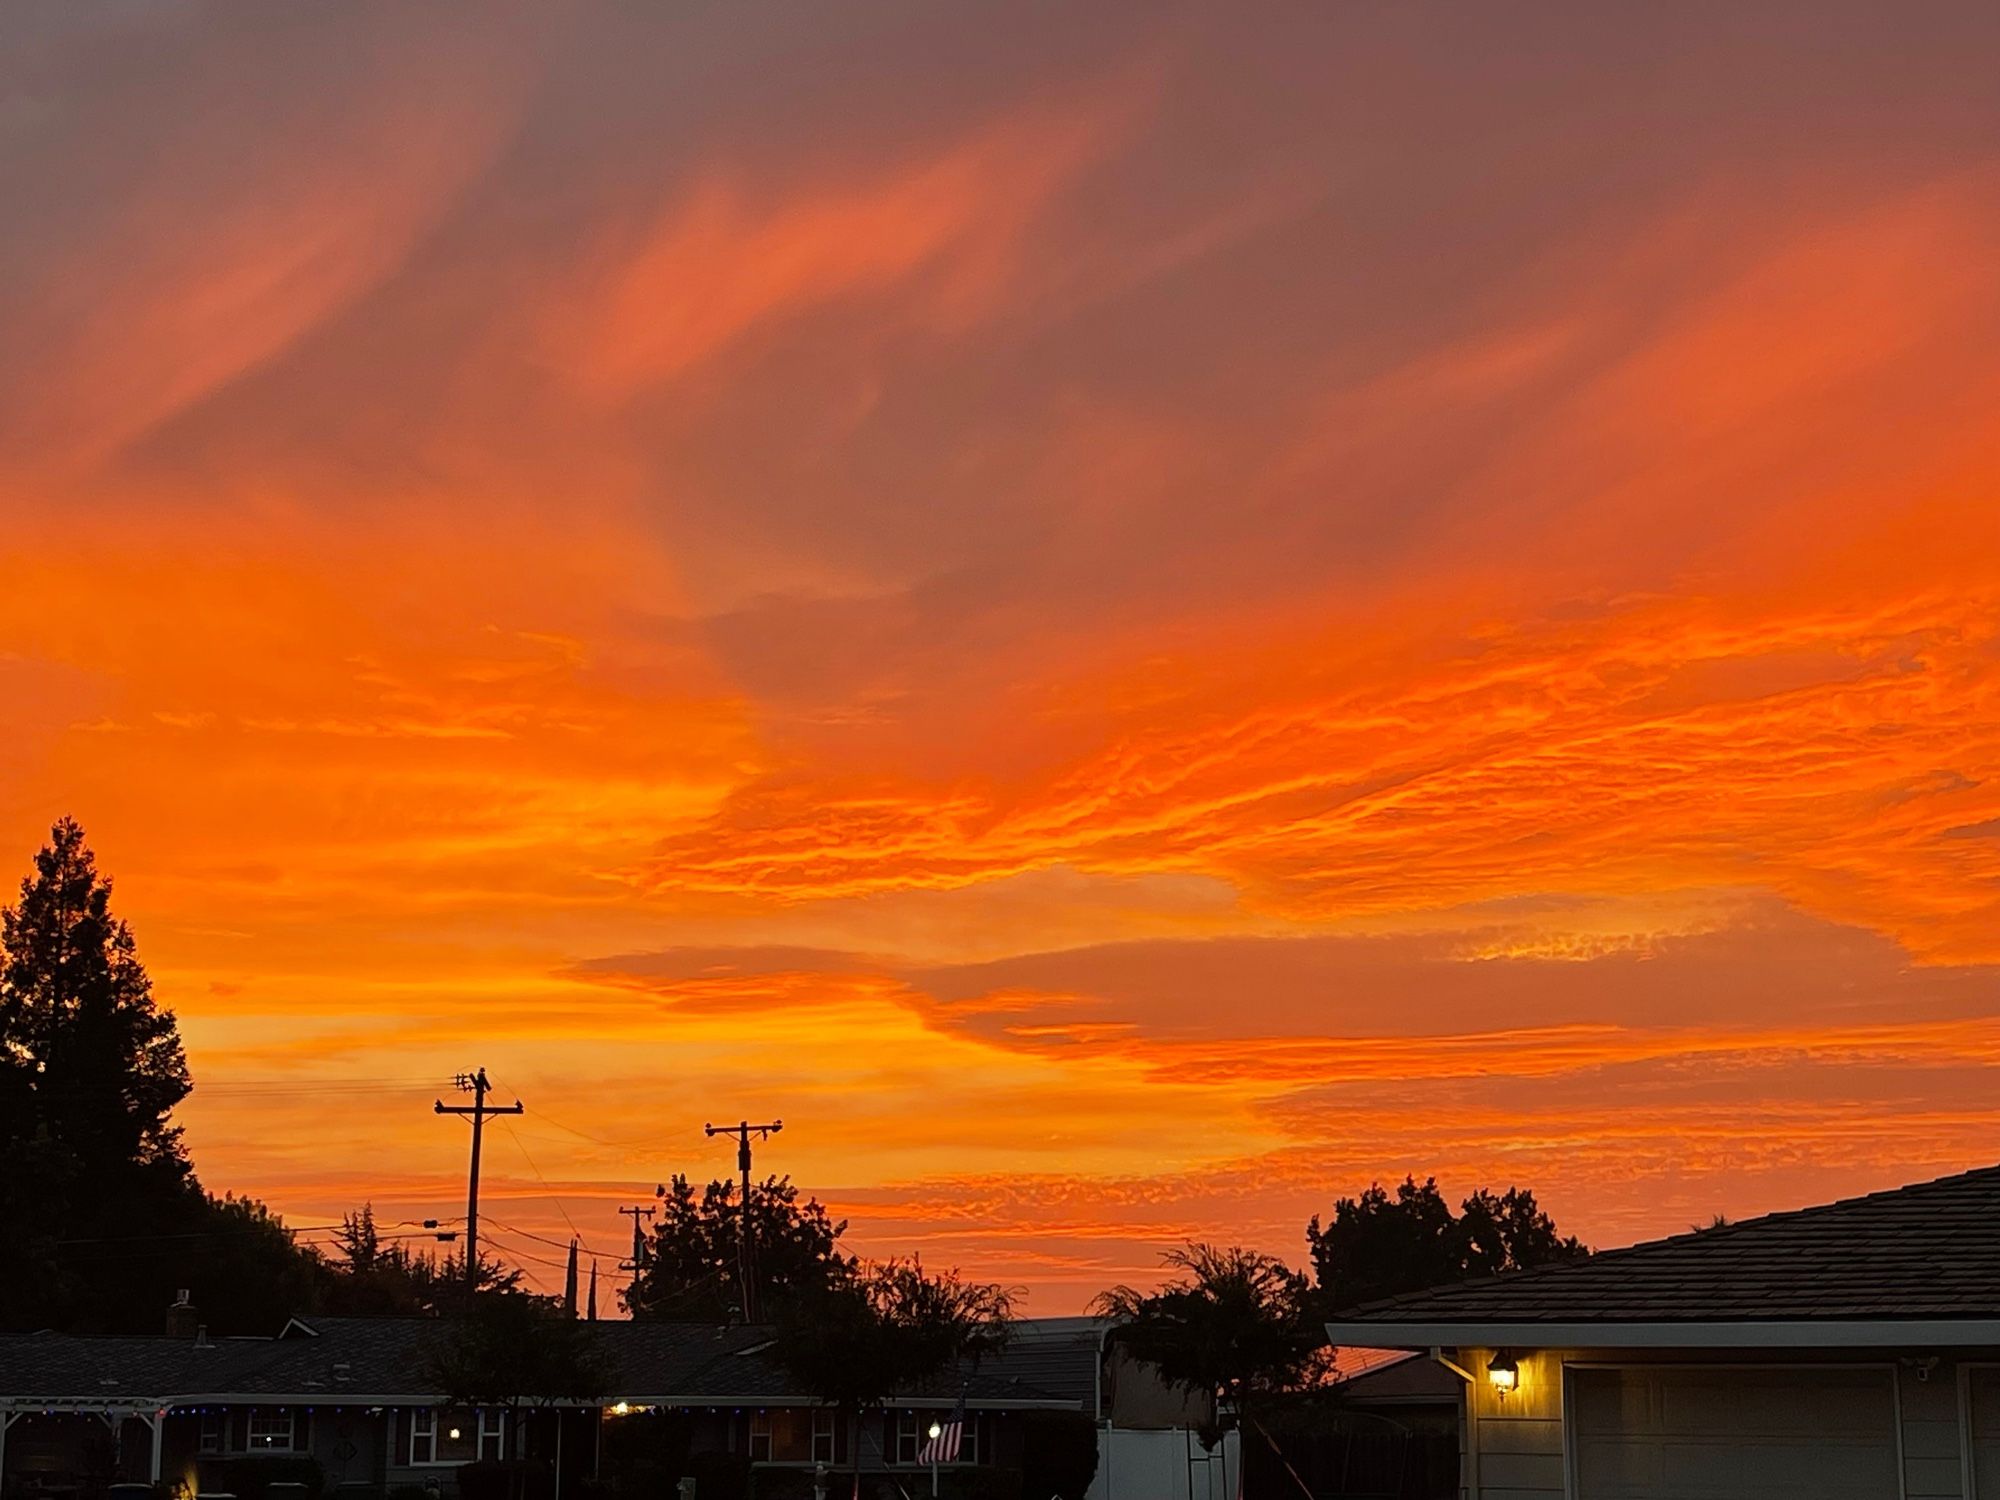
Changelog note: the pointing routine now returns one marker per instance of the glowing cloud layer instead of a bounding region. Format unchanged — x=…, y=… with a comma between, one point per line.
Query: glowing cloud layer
x=1132, y=619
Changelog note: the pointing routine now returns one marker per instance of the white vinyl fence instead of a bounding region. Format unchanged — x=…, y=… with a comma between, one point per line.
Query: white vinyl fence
x=1162, y=1465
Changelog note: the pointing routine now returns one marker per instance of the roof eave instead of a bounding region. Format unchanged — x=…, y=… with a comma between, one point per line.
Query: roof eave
x=1721, y=1333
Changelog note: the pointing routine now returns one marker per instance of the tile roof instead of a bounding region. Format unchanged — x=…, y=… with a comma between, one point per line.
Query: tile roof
x=1396, y=1376
x=1059, y=1355
x=1930, y=1251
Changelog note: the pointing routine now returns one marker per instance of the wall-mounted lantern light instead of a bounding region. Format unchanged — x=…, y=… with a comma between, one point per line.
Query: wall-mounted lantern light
x=1505, y=1372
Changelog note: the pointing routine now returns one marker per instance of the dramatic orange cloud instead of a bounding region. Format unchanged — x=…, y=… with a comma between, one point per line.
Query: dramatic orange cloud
x=1132, y=619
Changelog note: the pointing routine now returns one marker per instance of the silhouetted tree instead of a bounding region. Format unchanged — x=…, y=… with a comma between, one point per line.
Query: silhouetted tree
x=90, y=1072
x=692, y=1270
x=511, y=1350
x=101, y=1217
x=1236, y=1325
x=1377, y=1246
x=857, y=1341
x=501, y=1350
x=373, y=1275
x=1510, y=1232
x=77, y=1009
x=1058, y=1455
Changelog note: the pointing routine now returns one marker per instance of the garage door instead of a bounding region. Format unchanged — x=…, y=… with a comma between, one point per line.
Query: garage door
x=1986, y=1434
x=1708, y=1434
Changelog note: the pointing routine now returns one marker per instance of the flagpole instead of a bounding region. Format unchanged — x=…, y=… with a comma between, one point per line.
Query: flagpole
x=936, y=1433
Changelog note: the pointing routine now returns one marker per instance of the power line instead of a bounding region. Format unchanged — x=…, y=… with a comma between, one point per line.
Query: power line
x=558, y=1244
x=520, y=1254
x=202, y=1234
x=586, y=1135
x=543, y=1181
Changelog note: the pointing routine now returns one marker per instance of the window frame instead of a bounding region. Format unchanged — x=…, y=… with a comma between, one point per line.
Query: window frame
x=910, y=1430
x=268, y=1415
x=824, y=1417
x=424, y=1426
x=489, y=1422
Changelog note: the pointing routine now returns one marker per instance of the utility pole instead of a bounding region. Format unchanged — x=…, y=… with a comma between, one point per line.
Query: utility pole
x=743, y=1132
x=637, y=1264
x=476, y=1085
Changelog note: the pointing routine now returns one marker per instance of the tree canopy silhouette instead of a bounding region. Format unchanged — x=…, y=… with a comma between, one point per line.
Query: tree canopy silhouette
x=102, y=1063
x=369, y=1273
x=503, y=1350
x=692, y=1270
x=1377, y=1246
x=1235, y=1325
x=102, y=1218
x=90, y=1072
x=856, y=1341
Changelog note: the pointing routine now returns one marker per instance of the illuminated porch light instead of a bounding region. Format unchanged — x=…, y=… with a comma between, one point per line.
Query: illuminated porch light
x=1505, y=1373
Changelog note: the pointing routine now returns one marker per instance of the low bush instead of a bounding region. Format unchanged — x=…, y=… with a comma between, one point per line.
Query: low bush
x=720, y=1476
x=251, y=1477
x=506, y=1479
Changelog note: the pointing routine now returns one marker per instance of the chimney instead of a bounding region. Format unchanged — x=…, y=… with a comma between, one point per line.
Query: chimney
x=181, y=1318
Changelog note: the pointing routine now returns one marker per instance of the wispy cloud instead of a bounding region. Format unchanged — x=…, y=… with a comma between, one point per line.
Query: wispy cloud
x=1130, y=618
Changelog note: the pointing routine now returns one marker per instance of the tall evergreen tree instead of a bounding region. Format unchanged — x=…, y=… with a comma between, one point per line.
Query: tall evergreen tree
x=91, y=1070
x=101, y=1218
x=77, y=1009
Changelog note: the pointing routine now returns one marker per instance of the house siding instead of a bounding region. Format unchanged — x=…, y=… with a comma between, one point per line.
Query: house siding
x=1515, y=1440
x=1933, y=1450
x=1513, y=1446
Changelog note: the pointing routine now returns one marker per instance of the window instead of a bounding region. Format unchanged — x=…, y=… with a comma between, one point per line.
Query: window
x=214, y=1432
x=760, y=1437
x=911, y=1435
x=423, y=1436
x=456, y=1434
x=822, y=1436
x=271, y=1429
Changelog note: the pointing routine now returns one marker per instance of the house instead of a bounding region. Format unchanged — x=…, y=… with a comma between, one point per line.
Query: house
x=354, y=1399
x=1844, y=1352
x=703, y=1389
x=349, y=1394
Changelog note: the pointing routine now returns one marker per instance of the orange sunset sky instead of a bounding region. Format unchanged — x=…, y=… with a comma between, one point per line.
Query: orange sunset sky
x=1132, y=616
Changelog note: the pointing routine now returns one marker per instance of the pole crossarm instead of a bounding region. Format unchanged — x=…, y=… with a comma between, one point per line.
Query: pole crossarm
x=479, y=1111
x=743, y=1130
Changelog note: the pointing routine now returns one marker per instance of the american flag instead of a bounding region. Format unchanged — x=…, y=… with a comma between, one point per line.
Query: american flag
x=943, y=1449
